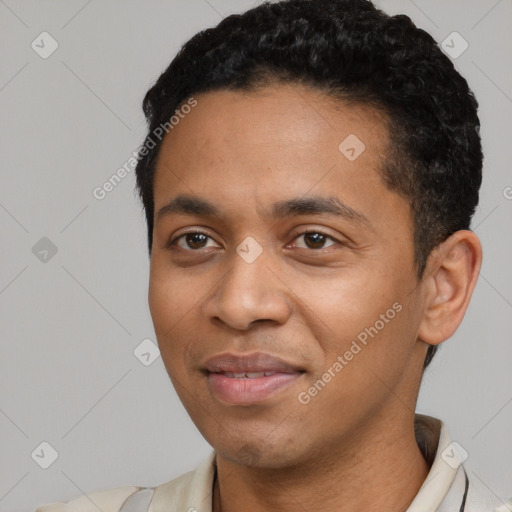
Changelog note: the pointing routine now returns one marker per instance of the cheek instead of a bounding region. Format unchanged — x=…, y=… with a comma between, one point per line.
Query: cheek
x=363, y=318
x=168, y=296
x=341, y=306
x=171, y=302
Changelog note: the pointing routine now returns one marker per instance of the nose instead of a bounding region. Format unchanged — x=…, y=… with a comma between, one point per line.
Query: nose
x=249, y=293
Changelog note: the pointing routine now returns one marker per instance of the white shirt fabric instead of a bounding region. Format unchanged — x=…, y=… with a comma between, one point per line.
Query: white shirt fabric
x=449, y=486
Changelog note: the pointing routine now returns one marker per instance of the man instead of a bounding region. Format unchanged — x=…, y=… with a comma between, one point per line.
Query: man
x=309, y=177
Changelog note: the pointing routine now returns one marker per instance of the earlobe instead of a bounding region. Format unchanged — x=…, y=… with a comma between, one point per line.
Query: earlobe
x=451, y=274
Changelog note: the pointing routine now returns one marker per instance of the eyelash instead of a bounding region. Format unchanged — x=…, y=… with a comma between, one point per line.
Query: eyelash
x=315, y=231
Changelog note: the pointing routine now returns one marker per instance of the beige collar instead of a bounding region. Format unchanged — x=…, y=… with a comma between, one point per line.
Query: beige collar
x=192, y=492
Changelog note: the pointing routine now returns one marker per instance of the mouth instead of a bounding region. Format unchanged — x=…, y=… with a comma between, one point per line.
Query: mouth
x=247, y=379
x=246, y=375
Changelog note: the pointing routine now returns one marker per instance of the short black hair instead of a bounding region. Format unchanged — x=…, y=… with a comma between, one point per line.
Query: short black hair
x=352, y=51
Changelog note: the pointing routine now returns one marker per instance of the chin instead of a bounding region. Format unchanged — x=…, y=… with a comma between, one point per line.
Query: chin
x=260, y=453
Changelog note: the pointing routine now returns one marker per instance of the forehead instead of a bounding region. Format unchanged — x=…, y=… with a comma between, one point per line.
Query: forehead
x=279, y=115
x=279, y=141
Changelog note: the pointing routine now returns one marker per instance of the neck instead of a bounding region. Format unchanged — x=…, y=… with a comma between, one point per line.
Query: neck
x=378, y=469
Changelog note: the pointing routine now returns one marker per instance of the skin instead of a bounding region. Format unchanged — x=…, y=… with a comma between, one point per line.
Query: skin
x=352, y=447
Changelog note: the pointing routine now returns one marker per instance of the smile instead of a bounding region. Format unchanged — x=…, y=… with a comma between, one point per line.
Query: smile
x=247, y=379
x=249, y=388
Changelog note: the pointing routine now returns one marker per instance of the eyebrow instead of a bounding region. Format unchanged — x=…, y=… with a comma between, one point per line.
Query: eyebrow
x=312, y=205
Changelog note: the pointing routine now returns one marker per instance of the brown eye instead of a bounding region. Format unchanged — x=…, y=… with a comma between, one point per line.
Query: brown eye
x=315, y=240
x=193, y=240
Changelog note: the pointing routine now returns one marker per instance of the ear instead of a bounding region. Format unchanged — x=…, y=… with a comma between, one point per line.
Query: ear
x=450, y=278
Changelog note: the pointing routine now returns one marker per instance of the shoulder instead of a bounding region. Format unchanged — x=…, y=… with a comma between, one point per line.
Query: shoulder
x=505, y=507
x=109, y=500
x=480, y=498
x=191, y=490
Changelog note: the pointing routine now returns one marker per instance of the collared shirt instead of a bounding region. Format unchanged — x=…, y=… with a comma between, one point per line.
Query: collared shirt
x=447, y=487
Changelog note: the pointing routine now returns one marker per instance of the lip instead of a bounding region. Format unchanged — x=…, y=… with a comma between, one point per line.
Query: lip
x=246, y=379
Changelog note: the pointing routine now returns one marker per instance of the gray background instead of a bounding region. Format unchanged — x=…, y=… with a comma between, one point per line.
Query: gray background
x=70, y=324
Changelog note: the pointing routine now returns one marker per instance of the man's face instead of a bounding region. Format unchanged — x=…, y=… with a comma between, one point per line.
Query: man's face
x=253, y=292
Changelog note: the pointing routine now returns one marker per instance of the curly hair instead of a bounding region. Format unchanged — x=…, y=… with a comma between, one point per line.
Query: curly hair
x=354, y=52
